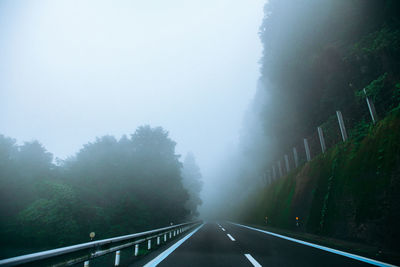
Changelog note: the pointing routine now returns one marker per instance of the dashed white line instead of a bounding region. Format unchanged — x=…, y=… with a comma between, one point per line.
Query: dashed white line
x=222, y=229
x=252, y=260
x=233, y=239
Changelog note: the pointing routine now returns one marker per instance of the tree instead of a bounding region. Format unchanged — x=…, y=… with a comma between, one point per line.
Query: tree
x=192, y=182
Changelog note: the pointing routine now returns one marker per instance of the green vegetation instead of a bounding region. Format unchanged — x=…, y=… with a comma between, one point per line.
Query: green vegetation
x=345, y=47
x=318, y=57
x=350, y=192
x=112, y=187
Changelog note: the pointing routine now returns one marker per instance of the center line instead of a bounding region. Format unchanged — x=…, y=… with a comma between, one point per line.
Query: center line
x=233, y=239
x=252, y=260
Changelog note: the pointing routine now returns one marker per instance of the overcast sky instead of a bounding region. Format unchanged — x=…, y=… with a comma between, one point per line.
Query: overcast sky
x=74, y=70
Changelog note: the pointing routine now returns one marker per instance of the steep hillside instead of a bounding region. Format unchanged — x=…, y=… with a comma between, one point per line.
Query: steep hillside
x=349, y=193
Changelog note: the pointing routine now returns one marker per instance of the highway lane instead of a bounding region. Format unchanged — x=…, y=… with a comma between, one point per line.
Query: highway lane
x=227, y=244
x=209, y=246
x=273, y=251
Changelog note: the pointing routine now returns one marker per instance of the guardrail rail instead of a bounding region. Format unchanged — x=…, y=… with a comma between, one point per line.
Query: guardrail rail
x=83, y=253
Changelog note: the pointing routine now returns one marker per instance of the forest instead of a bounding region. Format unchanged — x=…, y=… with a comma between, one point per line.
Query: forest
x=318, y=56
x=110, y=187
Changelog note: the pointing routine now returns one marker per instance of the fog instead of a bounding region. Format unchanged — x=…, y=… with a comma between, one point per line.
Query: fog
x=118, y=117
x=72, y=71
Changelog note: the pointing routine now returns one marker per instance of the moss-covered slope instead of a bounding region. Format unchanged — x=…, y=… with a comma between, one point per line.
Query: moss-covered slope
x=351, y=192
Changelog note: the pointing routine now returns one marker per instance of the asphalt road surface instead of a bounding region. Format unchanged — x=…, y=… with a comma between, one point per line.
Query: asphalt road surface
x=227, y=244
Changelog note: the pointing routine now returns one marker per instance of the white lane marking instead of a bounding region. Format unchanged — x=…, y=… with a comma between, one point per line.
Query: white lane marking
x=171, y=249
x=233, y=239
x=223, y=229
x=335, y=251
x=252, y=260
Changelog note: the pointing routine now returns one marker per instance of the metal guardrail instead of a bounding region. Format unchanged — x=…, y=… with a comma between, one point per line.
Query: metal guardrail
x=67, y=256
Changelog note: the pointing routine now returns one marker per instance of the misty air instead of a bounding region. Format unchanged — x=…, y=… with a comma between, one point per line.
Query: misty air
x=201, y=133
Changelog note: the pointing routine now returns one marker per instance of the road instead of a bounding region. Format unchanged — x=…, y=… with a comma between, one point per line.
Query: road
x=227, y=244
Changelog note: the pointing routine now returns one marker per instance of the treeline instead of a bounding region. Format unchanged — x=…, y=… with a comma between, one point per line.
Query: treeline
x=318, y=55
x=111, y=187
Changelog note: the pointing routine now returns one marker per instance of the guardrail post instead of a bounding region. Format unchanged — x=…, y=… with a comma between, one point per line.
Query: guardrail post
x=149, y=244
x=108, y=247
x=296, y=159
x=136, y=250
x=287, y=163
x=117, y=257
x=341, y=125
x=307, y=148
x=371, y=108
x=321, y=139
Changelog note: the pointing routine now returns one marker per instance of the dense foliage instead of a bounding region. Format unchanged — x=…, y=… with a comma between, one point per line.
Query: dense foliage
x=317, y=55
x=111, y=187
x=350, y=193
x=192, y=182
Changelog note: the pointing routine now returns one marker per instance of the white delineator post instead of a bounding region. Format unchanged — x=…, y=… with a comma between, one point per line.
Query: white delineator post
x=136, y=250
x=371, y=108
x=287, y=163
x=158, y=240
x=149, y=244
x=307, y=148
x=321, y=139
x=86, y=264
x=170, y=235
x=296, y=159
x=341, y=125
x=165, y=237
x=117, y=257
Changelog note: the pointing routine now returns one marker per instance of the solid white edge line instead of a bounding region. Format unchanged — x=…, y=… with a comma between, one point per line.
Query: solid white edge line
x=231, y=237
x=171, y=249
x=335, y=251
x=252, y=260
